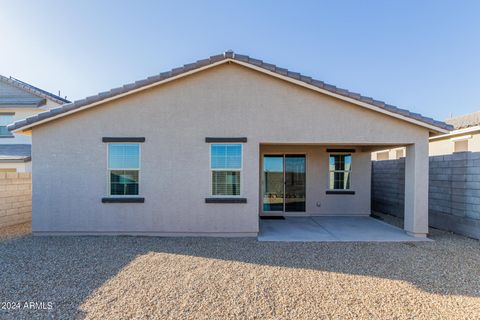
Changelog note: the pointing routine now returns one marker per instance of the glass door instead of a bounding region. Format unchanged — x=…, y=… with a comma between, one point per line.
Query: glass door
x=273, y=183
x=294, y=183
x=283, y=183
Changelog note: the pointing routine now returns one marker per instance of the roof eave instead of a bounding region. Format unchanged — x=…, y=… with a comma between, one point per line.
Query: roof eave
x=213, y=61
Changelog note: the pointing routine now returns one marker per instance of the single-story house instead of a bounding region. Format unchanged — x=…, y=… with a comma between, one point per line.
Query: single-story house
x=464, y=137
x=19, y=100
x=208, y=148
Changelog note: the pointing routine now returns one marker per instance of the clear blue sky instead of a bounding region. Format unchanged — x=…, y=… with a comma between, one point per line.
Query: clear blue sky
x=421, y=55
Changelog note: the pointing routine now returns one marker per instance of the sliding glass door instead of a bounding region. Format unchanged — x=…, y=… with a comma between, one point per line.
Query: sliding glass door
x=273, y=183
x=294, y=183
x=283, y=183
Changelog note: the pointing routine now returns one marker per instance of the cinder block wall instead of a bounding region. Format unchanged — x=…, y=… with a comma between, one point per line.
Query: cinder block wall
x=15, y=198
x=388, y=186
x=454, y=191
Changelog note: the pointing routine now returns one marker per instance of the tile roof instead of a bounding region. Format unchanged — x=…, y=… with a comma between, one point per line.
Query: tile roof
x=465, y=121
x=32, y=89
x=15, y=152
x=21, y=101
x=229, y=55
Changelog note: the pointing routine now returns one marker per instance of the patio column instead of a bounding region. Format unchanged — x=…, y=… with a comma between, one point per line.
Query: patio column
x=416, y=189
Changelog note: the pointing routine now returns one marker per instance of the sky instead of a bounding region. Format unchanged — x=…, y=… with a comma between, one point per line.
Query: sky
x=419, y=55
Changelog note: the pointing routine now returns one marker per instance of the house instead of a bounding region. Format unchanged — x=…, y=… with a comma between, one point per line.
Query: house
x=207, y=148
x=465, y=136
x=19, y=100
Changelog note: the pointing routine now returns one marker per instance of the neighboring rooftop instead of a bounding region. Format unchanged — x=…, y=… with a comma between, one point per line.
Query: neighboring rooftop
x=241, y=59
x=465, y=121
x=15, y=152
x=17, y=92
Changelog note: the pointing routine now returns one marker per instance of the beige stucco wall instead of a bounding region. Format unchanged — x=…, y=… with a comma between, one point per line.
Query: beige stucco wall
x=446, y=146
x=69, y=172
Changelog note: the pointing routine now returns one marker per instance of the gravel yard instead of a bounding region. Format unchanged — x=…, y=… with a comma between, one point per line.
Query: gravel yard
x=166, y=278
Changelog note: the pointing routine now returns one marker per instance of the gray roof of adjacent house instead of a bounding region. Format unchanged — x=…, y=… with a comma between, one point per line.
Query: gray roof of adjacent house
x=227, y=56
x=14, y=92
x=465, y=121
x=15, y=152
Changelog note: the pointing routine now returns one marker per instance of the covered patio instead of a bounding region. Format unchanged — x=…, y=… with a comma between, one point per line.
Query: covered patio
x=322, y=192
x=332, y=229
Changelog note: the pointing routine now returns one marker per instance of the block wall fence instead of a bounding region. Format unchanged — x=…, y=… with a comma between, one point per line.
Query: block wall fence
x=15, y=198
x=454, y=191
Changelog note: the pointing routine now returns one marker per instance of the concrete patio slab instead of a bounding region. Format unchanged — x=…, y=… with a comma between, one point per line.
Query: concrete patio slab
x=340, y=229
x=293, y=229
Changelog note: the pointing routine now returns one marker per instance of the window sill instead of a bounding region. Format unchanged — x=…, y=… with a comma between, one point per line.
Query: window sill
x=340, y=192
x=225, y=200
x=123, y=200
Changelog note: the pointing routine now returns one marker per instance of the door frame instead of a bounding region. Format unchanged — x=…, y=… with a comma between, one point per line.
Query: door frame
x=262, y=184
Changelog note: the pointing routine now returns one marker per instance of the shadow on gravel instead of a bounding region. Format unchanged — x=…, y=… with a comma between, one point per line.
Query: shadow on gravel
x=66, y=270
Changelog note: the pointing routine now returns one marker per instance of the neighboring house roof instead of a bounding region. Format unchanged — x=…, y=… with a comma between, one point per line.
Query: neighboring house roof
x=465, y=121
x=15, y=152
x=230, y=56
x=37, y=96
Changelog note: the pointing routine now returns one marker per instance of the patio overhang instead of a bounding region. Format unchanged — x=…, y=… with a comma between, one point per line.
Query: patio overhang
x=284, y=183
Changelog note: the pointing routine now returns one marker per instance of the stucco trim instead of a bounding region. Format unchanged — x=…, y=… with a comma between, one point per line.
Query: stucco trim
x=223, y=140
x=225, y=200
x=123, y=139
x=455, y=133
x=123, y=200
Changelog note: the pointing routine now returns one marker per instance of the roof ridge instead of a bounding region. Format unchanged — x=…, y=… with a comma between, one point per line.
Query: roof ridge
x=33, y=89
x=227, y=55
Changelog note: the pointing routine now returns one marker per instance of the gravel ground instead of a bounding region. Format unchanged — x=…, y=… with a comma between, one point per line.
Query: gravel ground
x=202, y=278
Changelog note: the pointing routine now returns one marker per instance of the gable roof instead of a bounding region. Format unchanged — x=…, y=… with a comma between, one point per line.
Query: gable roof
x=231, y=57
x=465, y=121
x=37, y=97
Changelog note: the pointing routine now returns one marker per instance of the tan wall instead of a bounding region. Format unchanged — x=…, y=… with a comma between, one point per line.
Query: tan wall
x=70, y=176
x=447, y=146
x=16, y=166
x=15, y=198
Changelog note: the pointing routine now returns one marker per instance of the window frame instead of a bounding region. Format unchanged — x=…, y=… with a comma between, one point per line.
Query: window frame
x=139, y=169
x=211, y=170
x=330, y=171
x=11, y=114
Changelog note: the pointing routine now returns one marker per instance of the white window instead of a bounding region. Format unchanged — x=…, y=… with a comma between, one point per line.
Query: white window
x=5, y=119
x=123, y=169
x=340, y=166
x=226, y=168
